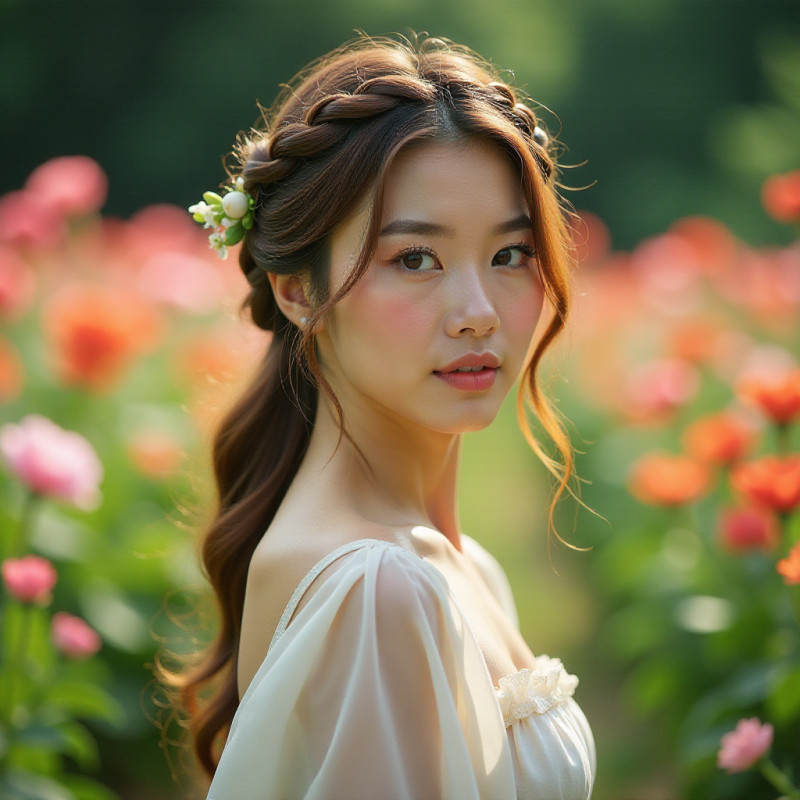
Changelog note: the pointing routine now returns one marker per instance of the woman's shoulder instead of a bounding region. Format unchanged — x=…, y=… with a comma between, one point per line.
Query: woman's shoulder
x=286, y=572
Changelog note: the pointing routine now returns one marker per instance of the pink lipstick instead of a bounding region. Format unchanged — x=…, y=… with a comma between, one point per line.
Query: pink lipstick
x=473, y=372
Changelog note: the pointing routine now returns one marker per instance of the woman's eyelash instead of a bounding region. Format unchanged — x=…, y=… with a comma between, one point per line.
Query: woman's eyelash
x=523, y=247
x=412, y=251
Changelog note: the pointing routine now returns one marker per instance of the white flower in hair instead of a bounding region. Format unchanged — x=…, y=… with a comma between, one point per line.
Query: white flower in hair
x=206, y=212
x=230, y=215
x=217, y=241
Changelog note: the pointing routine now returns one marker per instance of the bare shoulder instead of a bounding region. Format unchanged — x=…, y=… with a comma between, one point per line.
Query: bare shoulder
x=279, y=564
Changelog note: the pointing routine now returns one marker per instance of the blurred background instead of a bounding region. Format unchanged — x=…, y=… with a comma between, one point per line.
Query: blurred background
x=674, y=113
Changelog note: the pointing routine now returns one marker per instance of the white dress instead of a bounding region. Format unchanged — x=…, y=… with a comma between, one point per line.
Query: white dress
x=378, y=690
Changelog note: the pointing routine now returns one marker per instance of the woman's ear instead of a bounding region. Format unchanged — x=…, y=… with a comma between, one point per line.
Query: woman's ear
x=290, y=295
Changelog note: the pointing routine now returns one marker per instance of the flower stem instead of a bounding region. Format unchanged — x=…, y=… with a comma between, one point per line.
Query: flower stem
x=18, y=540
x=18, y=664
x=782, y=438
x=779, y=780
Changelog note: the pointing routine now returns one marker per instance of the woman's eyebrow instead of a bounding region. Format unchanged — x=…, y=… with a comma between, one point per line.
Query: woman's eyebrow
x=399, y=226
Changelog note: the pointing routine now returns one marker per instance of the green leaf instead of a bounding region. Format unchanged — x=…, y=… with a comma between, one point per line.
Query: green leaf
x=79, y=744
x=247, y=222
x=783, y=702
x=85, y=700
x=212, y=198
x=234, y=234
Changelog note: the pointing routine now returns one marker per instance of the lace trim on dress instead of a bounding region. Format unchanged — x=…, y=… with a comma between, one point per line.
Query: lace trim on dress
x=534, y=691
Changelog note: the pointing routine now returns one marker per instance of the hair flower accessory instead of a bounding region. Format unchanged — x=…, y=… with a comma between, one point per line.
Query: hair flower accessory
x=230, y=216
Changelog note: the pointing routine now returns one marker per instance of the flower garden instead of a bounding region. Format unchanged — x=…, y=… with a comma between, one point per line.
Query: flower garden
x=120, y=346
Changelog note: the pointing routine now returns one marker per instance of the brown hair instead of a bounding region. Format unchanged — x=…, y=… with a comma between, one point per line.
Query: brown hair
x=323, y=148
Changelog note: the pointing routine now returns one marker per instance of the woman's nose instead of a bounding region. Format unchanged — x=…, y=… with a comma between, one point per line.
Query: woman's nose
x=472, y=310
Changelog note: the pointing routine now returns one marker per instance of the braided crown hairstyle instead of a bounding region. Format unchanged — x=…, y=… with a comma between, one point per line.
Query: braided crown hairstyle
x=323, y=149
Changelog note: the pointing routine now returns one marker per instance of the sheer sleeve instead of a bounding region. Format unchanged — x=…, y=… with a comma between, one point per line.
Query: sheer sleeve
x=377, y=689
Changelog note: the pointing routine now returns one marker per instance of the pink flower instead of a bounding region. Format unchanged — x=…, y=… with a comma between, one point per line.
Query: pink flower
x=656, y=388
x=741, y=748
x=73, y=637
x=52, y=461
x=69, y=185
x=30, y=579
x=29, y=221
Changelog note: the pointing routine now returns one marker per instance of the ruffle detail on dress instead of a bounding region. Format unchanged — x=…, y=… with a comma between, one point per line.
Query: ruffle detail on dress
x=534, y=691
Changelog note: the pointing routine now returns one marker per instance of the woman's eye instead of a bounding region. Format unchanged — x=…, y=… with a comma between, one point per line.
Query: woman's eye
x=513, y=256
x=417, y=261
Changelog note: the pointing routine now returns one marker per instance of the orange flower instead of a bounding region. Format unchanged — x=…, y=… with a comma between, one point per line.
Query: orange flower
x=155, y=454
x=12, y=374
x=780, y=195
x=720, y=438
x=96, y=331
x=742, y=529
x=770, y=482
x=667, y=480
x=778, y=396
x=696, y=340
x=789, y=567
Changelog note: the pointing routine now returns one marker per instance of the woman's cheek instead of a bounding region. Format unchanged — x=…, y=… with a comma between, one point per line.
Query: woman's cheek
x=396, y=313
x=522, y=311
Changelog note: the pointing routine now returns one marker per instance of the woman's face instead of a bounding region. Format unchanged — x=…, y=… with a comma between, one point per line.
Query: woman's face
x=453, y=277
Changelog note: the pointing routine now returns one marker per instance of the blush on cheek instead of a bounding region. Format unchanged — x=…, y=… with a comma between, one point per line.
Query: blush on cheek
x=386, y=308
x=523, y=312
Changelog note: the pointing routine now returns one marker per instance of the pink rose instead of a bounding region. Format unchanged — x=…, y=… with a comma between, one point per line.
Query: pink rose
x=73, y=637
x=52, y=461
x=70, y=185
x=742, y=748
x=30, y=579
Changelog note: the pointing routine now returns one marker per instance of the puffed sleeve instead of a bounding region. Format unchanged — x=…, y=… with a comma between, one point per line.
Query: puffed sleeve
x=377, y=689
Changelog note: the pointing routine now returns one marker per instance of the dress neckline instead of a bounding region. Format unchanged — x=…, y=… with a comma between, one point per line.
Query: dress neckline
x=519, y=694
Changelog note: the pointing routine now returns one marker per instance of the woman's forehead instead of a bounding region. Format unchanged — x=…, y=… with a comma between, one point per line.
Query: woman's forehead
x=442, y=181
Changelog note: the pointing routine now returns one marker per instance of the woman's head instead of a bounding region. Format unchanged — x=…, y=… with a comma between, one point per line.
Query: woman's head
x=328, y=142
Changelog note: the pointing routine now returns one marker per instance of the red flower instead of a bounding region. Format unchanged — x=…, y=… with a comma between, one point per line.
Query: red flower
x=720, y=438
x=789, y=567
x=780, y=195
x=778, y=395
x=96, y=331
x=666, y=480
x=770, y=482
x=742, y=529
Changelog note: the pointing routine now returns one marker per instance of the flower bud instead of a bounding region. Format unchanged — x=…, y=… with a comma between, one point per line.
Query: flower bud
x=235, y=204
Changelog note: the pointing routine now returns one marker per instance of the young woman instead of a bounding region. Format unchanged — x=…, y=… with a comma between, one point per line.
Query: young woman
x=402, y=236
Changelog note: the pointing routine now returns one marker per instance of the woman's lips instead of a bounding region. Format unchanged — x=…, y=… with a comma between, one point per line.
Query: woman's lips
x=469, y=381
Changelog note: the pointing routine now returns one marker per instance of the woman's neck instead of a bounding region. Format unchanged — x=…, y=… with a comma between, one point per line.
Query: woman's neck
x=403, y=474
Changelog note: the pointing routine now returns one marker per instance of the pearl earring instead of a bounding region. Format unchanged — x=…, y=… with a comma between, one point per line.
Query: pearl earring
x=303, y=320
